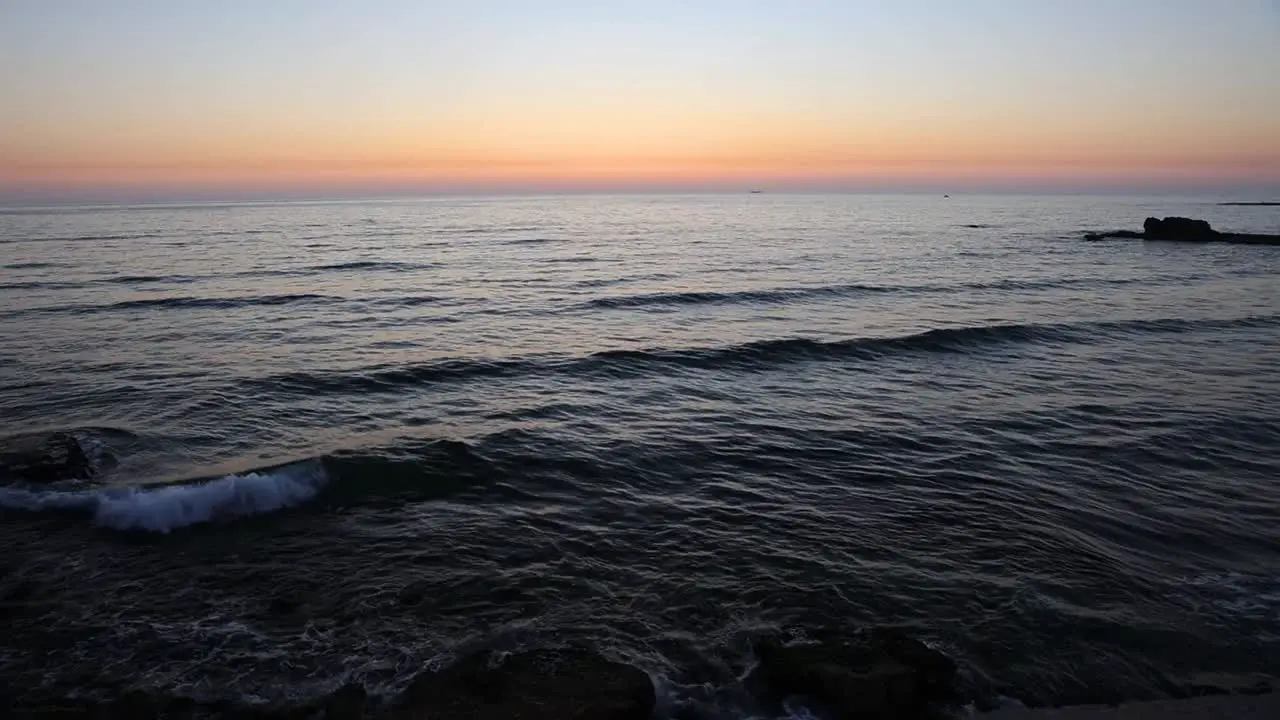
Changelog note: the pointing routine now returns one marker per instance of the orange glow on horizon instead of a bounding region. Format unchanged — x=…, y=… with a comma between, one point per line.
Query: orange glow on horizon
x=558, y=94
x=780, y=169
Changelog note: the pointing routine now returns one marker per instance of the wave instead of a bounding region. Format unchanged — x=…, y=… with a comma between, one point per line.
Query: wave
x=738, y=296
x=38, y=285
x=279, y=272
x=86, y=238
x=237, y=233
x=409, y=301
x=784, y=295
x=571, y=260
x=166, y=508
x=408, y=468
x=764, y=353
x=1066, y=282
x=374, y=265
x=185, y=302
x=29, y=265
x=218, y=303
x=752, y=356
x=473, y=230
x=533, y=241
x=149, y=279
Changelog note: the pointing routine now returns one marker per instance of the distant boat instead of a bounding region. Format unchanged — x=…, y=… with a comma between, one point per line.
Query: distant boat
x=946, y=196
x=756, y=192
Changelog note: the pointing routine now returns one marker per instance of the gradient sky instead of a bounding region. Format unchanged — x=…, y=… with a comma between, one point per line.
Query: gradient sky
x=315, y=94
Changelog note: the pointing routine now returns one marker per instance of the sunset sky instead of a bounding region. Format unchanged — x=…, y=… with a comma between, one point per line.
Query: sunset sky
x=330, y=95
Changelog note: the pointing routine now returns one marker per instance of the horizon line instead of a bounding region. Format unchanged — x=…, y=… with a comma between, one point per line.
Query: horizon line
x=10, y=200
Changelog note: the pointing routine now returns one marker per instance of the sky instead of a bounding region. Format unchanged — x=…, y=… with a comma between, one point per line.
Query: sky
x=316, y=96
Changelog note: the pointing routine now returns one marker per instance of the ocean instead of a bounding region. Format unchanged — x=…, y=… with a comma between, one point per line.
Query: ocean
x=338, y=441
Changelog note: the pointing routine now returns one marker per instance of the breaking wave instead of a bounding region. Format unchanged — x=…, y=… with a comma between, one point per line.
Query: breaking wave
x=166, y=508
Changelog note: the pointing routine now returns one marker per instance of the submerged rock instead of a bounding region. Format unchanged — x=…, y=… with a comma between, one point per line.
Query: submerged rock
x=44, y=458
x=569, y=684
x=884, y=675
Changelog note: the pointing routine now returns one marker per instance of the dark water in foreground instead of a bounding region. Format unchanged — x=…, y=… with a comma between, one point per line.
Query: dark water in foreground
x=655, y=423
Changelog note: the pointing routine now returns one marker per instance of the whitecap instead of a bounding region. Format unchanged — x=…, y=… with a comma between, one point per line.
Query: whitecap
x=166, y=508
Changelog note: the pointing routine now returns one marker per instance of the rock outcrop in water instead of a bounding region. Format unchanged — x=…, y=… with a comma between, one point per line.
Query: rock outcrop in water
x=1180, y=229
x=570, y=684
x=883, y=675
x=44, y=458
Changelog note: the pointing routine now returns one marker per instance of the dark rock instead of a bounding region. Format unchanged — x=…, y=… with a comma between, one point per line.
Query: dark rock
x=1178, y=228
x=346, y=703
x=883, y=675
x=44, y=458
x=569, y=684
x=1226, y=684
x=137, y=705
x=1117, y=235
x=180, y=707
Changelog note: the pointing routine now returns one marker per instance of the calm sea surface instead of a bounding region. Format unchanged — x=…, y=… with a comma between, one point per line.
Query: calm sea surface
x=656, y=424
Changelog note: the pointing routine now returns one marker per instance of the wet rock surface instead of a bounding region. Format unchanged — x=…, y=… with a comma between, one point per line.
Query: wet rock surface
x=44, y=458
x=346, y=703
x=1178, y=228
x=883, y=675
x=568, y=684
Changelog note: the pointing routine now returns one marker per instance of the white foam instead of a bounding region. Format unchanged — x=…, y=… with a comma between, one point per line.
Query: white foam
x=168, y=507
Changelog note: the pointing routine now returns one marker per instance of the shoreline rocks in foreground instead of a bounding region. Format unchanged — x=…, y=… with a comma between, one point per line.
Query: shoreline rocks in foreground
x=880, y=674
x=877, y=675
x=883, y=675
x=1180, y=229
x=1213, y=707
x=569, y=684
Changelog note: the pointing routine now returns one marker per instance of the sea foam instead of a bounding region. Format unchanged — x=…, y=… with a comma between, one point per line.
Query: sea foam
x=166, y=508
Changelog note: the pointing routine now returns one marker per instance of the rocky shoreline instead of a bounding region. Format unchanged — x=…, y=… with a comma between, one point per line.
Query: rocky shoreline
x=1216, y=707
x=882, y=673
x=879, y=674
x=874, y=674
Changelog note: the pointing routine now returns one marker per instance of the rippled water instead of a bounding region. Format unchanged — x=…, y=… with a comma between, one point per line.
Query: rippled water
x=655, y=423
